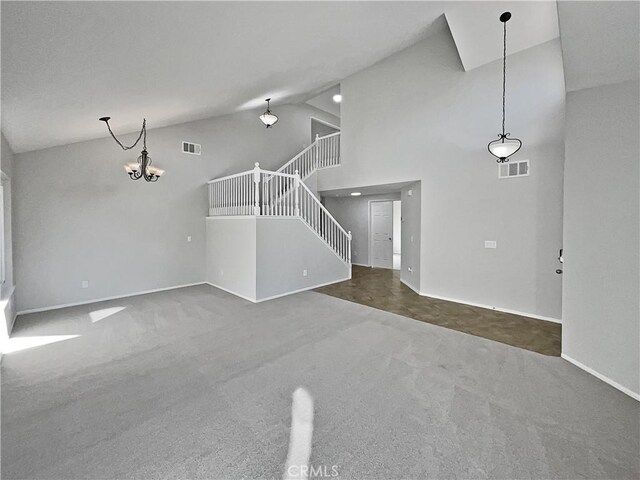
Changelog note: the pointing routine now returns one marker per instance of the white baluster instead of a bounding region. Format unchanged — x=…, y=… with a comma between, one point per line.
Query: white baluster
x=256, y=181
x=297, y=194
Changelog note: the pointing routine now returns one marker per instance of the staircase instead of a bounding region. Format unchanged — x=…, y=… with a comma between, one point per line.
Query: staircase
x=283, y=194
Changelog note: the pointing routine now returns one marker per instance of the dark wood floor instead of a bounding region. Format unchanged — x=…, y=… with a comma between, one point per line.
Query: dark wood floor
x=381, y=288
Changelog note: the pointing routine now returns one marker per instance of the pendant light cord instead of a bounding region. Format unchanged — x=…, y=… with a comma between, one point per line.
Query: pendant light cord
x=143, y=133
x=504, y=74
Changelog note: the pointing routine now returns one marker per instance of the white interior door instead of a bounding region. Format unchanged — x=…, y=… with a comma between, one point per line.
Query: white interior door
x=382, y=234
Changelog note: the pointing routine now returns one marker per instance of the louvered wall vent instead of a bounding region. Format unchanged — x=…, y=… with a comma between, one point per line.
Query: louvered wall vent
x=192, y=148
x=515, y=169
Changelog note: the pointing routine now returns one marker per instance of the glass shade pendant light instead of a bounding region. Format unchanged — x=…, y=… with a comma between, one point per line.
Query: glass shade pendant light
x=142, y=167
x=504, y=147
x=268, y=118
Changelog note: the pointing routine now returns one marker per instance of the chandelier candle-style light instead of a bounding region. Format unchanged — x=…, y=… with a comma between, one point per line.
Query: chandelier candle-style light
x=142, y=168
x=268, y=118
x=504, y=147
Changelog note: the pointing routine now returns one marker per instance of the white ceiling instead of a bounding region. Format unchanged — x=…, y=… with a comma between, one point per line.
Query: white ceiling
x=605, y=53
x=478, y=32
x=324, y=101
x=64, y=64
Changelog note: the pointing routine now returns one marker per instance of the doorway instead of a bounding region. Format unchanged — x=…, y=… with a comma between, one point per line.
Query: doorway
x=321, y=128
x=384, y=234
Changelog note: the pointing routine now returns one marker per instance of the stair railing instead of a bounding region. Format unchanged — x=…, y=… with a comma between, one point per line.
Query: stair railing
x=260, y=192
x=322, y=153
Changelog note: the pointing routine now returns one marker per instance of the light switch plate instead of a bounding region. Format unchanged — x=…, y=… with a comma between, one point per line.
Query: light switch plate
x=490, y=244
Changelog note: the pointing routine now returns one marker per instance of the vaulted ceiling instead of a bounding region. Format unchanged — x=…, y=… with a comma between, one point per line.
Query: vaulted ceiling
x=605, y=53
x=64, y=64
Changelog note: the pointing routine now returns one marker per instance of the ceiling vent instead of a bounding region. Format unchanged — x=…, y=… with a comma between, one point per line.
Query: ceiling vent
x=191, y=148
x=513, y=169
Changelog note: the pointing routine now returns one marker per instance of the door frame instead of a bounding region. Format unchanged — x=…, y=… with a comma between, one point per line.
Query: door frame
x=369, y=236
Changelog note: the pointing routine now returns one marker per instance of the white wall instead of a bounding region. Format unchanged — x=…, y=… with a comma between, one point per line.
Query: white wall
x=258, y=258
x=419, y=115
x=7, y=291
x=79, y=217
x=231, y=255
x=352, y=213
x=287, y=247
x=601, y=317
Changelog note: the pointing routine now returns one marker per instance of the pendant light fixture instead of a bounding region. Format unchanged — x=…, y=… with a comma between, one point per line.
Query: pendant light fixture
x=142, y=168
x=504, y=147
x=268, y=118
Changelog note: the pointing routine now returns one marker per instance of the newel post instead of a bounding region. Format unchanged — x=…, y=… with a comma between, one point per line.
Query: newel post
x=256, y=182
x=349, y=249
x=297, y=195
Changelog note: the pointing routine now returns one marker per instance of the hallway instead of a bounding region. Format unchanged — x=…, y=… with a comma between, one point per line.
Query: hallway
x=382, y=289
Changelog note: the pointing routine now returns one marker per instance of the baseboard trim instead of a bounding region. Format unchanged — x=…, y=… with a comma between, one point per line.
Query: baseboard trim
x=599, y=376
x=252, y=300
x=412, y=287
x=360, y=264
x=104, y=299
x=489, y=307
x=280, y=295
x=304, y=289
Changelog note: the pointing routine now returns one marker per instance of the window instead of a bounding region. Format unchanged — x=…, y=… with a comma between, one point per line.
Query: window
x=2, y=267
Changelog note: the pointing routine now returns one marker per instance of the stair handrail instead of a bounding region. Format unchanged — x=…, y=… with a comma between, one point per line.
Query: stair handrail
x=299, y=183
x=313, y=145
x=296, y=157
x=227, y=177
x=323, y=208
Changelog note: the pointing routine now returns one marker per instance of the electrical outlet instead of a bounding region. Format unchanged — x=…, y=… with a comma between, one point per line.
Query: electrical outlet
x=85, y=284
x=410, y=269
x=410, y=193
x=221, y=272
x=490, y=244
x=304, y=273
x=188, y=238
x=411, y=238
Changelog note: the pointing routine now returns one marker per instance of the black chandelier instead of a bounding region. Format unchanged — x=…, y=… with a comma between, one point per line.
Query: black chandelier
x=142, y=168
x=268, y=118
x=504, y=147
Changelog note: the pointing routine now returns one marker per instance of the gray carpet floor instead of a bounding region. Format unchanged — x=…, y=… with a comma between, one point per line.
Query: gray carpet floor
x=196, y=383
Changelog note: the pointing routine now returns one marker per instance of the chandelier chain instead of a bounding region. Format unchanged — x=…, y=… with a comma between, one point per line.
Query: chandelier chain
x=143, y=133
x=504, y=74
